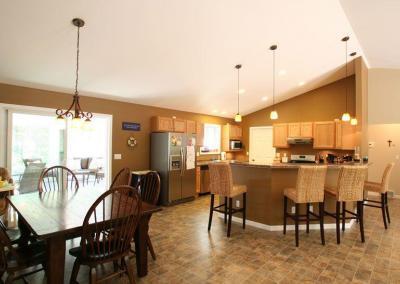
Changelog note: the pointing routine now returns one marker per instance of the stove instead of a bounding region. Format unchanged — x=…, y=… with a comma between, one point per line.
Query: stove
x=302, y=159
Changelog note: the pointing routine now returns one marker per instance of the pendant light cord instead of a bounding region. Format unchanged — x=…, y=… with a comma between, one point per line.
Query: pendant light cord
x=77, y=64
x=238, y=89
x=346, y=76
x=273, y=78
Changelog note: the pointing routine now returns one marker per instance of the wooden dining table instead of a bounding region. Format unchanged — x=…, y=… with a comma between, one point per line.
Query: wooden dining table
x=57, y=216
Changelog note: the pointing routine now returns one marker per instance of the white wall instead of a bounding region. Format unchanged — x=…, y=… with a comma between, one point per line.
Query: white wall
x=384, y=124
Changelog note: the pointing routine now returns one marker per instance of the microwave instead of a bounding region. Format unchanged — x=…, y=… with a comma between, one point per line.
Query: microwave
x=235, y=145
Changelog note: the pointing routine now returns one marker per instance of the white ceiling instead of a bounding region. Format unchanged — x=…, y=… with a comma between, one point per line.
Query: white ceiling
x=178, y=54
x=376, y=23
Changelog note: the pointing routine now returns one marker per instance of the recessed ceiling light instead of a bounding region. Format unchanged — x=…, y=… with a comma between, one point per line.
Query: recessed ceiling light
x=242, y=91
x=301, y=83
x=215, y=111
x=223, y=112
x=282, y=72
x=264, y=98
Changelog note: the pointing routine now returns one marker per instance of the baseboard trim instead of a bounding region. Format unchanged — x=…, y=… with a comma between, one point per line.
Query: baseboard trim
x=274, y=228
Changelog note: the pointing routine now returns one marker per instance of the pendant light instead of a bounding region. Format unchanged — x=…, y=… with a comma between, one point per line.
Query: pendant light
x=274, y=114
x=75, y=111
x=346, y=116
x=238, y=117
x=353, y=120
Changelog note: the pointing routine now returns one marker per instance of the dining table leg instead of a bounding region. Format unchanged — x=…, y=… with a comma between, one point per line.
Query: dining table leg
x=141, y=234
x=56, y=259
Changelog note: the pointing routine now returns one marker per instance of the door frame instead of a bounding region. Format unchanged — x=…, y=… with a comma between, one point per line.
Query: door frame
x=258, y=127
x=6, y=110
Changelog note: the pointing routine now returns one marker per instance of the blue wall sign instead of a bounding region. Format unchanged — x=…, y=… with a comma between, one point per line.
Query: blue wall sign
x=131, y=126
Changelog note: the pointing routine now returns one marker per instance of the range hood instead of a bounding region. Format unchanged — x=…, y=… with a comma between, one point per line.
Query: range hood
x=300, y=140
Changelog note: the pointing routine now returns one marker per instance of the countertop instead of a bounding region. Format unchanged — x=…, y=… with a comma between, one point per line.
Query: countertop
x=275, y=165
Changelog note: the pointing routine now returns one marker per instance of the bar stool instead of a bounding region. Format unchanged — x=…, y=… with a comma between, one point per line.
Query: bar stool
x=309, y=189
x=349, y=188
x=221, y=183
x=381, y=188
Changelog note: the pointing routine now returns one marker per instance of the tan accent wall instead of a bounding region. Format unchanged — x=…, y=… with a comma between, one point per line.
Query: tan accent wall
x=137, y=158
x=325, y=103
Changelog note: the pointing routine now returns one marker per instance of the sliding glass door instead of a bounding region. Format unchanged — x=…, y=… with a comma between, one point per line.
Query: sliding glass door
x=36, y=141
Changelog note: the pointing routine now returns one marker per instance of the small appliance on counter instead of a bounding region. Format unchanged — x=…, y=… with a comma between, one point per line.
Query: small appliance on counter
x=235, y=145
x=285, y=158
x=302, y=159
x=223, y=156
x=331, y=158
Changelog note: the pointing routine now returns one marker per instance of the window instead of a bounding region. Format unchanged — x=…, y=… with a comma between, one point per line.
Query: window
x=212, y=139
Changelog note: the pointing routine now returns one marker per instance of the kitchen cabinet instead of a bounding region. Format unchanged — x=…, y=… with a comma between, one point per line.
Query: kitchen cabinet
x=198, y=180
x=306, y=129
x=162, y=124
x=300, y=129
x=230, y=132
x=200, y=133
x=345, y=135
x=324, y=135
x=179, y=125
x=191, y=127
x=280, y=133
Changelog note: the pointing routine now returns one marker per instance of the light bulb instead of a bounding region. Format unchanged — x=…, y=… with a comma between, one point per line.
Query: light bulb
x=238, y=118
x=346, y=117
x=354, y=121
x=273, y=115
x=76, y=122
x=87, y=125
x=60, y=122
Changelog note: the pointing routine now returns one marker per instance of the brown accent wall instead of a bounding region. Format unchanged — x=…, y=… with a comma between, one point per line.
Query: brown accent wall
x=325, y=103
x=137, y=158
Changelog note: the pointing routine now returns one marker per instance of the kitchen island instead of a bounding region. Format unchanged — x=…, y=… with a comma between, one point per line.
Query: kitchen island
x=265, y=185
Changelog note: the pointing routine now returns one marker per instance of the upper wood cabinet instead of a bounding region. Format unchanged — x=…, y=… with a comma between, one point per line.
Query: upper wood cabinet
x=162, y=124
x=191, y=127
x=324, y=135
x=280, y=132
x=200, y=133
x=300, y=129
x=233, y=131
x=345, y=135
x=179, y=125
x=306, y=129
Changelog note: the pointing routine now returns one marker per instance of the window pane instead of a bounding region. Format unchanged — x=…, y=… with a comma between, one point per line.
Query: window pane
x=212, y=138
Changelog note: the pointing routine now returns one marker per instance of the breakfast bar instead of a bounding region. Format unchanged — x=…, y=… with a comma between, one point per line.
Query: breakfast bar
x=265, y=185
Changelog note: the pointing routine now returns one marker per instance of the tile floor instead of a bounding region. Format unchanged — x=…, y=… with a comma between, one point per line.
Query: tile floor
x=187, y=253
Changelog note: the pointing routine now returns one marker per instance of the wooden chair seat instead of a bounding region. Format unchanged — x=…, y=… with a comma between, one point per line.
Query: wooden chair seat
x=100, y=252
x=373, y=186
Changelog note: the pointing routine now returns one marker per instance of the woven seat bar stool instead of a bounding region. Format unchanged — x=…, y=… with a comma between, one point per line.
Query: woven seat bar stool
x=349, y=188
x=221, y=183
x=382, y=189
x=309, y=189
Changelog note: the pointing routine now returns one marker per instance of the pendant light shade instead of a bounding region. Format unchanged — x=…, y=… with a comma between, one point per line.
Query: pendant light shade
x=354, y=121
x=79, y=117
x=238, y=117
x=274, y=114
x=346, y=116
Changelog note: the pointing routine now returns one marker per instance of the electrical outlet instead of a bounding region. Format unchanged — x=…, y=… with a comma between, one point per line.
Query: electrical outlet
x=293, y=210
x=117, y=156
x=237, y=203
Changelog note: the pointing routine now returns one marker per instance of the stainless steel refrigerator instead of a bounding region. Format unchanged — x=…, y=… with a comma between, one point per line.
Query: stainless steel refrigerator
x=169, y=157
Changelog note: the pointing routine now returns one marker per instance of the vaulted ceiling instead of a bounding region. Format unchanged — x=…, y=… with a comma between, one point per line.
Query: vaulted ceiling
x=180, y=54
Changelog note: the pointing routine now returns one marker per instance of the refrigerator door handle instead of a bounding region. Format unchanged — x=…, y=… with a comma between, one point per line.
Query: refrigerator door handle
x=181, y=150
